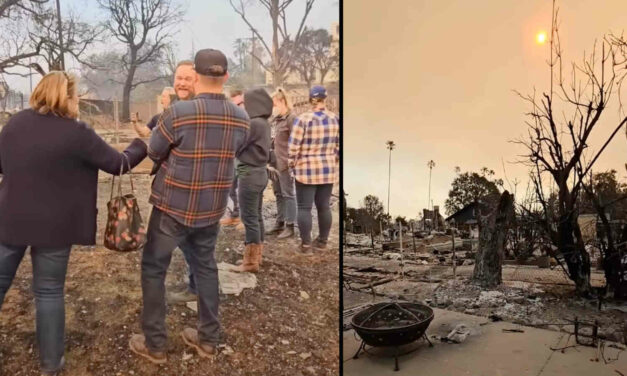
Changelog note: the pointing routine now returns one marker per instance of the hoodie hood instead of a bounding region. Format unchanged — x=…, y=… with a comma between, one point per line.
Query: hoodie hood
x=258, y=103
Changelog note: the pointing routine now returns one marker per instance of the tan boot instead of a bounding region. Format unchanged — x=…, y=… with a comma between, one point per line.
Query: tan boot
x=190, y=337
x=230, y=221
x=137, y=343
x=250, y=263
x=259, y=253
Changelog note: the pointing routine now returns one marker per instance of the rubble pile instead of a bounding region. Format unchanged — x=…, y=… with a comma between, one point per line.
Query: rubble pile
x=508, y=303
x=357, y=240
x=527, y=305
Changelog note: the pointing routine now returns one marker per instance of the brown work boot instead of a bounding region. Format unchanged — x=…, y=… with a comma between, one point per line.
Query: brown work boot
x=56, y=371
x=180, y=297
x=288, y=232
x=250, y=262
x=278, y=227
x=304, y=250
x=190, y=337
x=230, y=221
x=137, y=343
x=319, y=245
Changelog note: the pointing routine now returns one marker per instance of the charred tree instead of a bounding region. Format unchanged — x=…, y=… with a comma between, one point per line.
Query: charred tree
x=559, y=134
x=493, y=230
x=282, y=53
x=145, y=28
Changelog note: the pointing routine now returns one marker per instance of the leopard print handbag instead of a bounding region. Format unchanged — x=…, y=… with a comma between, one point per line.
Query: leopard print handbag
x=125, y=230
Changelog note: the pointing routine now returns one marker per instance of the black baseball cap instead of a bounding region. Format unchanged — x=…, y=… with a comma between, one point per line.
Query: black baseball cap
x=210, y=62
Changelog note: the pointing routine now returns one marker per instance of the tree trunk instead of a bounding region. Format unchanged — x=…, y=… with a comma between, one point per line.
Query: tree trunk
x=126, y=95
x=323, y=74
x=277, y=75
x=570, y=242
x=575, y=255
x=492, y=238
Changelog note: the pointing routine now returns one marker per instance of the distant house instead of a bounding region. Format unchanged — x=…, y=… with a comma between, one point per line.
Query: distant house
x=466, y=219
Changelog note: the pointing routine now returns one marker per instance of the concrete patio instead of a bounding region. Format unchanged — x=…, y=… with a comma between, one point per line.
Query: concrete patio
x=488, y=351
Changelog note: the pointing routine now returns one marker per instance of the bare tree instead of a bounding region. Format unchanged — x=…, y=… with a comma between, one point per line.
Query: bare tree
x=145, y=27
x=281, y=52
x=31, y=31
x=16, y=42
x=556, y=144
x=31, y=6
x=304, y=62
x=325, y=57
x=611, y=241
x=313, y=56
x=78, y=37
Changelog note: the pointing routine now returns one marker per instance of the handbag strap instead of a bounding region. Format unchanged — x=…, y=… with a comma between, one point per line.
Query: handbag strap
x=130, y=175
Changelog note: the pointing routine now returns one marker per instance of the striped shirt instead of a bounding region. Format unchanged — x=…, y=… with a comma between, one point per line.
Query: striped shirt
x=314, y=147
x=195, y=142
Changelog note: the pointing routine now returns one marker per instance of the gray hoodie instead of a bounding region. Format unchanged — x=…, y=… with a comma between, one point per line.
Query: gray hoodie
x=256, y=149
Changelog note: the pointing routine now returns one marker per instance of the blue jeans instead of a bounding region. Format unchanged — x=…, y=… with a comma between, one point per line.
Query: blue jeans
x=283, y=187
x=252, y=183
x=164, y=234
x=49, y=269
x=187, y=253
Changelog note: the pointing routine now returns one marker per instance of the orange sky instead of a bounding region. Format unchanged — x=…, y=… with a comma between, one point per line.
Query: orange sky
x=437, y=77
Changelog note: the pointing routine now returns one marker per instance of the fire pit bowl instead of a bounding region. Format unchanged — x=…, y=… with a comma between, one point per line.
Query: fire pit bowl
x=392, y=324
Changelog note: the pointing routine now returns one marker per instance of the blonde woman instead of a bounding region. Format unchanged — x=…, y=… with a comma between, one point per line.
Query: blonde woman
x=282, y=179
x=50, y=162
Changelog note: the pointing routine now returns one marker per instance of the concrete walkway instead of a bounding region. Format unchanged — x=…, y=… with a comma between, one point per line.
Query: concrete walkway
x=488, y=351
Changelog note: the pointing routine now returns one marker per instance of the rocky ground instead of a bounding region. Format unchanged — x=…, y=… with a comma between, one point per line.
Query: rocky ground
x=528, y=296
x=287, y=325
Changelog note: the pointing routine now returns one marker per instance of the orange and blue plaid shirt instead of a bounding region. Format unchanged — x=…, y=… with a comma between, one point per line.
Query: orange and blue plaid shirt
x=314, y=147
x=195, y=142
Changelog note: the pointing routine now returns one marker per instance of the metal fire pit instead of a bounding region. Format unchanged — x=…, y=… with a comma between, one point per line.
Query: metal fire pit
x=392, y=325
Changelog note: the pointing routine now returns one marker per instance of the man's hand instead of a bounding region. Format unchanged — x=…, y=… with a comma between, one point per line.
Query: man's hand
x=142, y=130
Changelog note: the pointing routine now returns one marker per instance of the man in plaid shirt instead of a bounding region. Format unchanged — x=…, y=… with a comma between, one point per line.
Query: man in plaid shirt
x=314, y=155
x=195, y=143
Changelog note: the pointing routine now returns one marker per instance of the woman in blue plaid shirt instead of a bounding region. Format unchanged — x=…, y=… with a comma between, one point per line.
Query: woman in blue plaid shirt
x=314, y=154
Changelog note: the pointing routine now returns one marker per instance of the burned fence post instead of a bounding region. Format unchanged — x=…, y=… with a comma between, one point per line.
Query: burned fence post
x=413, y=235
x=400, y=234
x=372, y=238
x=492, y=238
x=381, y=231
x=454, y=258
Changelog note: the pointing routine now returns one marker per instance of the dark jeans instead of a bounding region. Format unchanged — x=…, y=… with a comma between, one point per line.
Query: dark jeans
x=251, y=186
x=49, y=269
x=283, y=187
x=164, y=234
x=306, y=195
x=233, y=196
x=188, y=260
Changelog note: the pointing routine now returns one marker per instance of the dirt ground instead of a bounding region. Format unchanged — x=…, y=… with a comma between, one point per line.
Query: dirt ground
x=271, y=329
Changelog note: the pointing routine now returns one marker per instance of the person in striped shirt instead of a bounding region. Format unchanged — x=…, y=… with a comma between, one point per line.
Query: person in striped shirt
x=313, y=156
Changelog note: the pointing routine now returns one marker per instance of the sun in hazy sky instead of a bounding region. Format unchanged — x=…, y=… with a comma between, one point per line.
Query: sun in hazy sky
x=541, y=37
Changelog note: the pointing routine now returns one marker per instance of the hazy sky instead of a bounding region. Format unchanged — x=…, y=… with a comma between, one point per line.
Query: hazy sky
x=210, y=23
x=437, y=77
